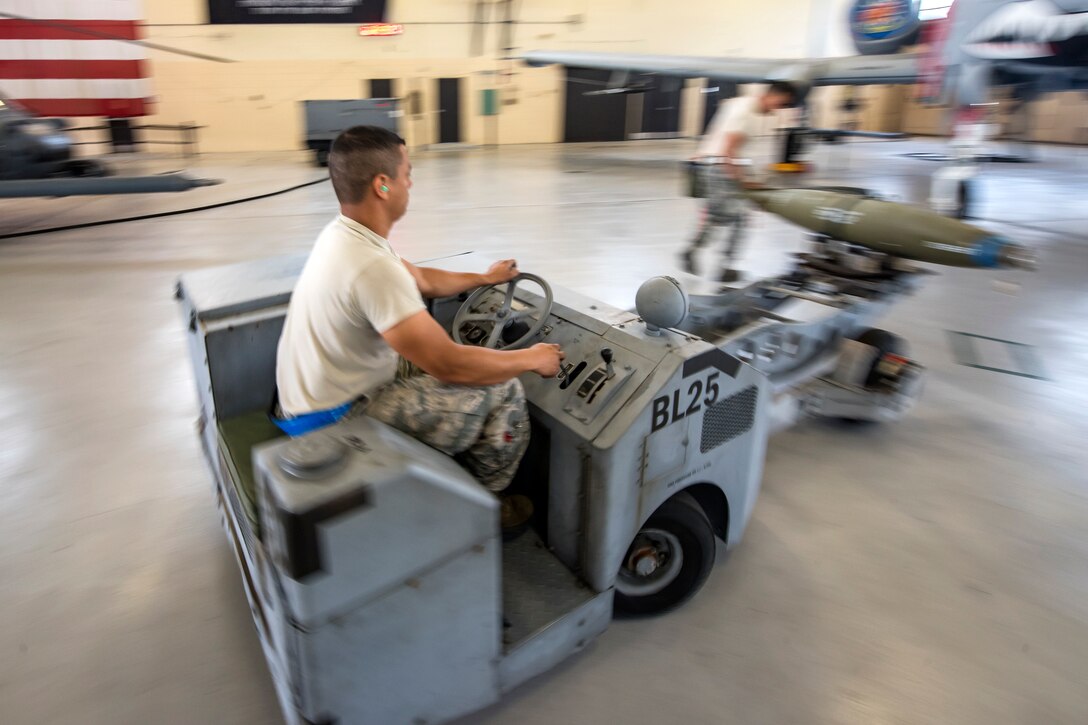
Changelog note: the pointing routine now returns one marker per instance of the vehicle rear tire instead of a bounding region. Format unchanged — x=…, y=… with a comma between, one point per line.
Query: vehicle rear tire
x=668, y=561
x=886, y=343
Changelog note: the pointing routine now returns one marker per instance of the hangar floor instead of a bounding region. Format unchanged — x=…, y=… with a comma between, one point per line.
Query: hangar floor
x=934, y=570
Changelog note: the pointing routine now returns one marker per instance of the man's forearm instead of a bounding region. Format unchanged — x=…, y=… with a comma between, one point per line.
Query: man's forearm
x=731, y=150
x=441, y=283
x=423, y=342
x=482, y=366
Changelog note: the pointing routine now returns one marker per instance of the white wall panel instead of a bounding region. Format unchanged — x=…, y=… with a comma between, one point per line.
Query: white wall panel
x=70, y=50
x=76, y=9
x=74, y=88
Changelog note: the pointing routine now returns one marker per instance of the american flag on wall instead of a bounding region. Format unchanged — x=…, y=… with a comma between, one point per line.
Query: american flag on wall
x=71, y=58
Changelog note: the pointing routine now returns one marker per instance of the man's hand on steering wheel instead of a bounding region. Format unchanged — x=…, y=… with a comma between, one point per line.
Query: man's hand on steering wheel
x=501, y=271
x=502, y=317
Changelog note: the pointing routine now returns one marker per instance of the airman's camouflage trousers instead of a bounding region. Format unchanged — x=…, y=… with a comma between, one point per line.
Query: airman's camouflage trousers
x=725, y=206
x=486, y=429
x=725, y=202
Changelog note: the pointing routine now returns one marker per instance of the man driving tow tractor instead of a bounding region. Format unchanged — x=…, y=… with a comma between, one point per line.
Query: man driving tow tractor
x=358, y=306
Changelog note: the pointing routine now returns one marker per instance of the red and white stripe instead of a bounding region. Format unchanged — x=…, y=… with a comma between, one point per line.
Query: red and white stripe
x=60, y=71
x=932, y=66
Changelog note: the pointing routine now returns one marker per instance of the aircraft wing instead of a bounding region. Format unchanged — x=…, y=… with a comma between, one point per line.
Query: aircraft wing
x=162, y=183
x=850, y=70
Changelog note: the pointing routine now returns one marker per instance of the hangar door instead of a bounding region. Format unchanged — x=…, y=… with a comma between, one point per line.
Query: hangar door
x=592, y=118
x=449, y=110
x=660, y=104
x=381, y=88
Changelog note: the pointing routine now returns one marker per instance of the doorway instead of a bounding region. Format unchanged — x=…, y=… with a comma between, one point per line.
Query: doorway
x=593, y=118
x=381, y=88
x=449, y=110
x=661, y=106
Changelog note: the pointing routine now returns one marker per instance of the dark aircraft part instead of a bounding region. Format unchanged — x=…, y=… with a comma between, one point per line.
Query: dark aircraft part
x=39, y=148
x=990, y=158
x=85, y=168
x=830, y=135
x=896, y=230
x=31, y=147
x=798, y=136
x=619, y=83
x=625, y=90
x=98, y=186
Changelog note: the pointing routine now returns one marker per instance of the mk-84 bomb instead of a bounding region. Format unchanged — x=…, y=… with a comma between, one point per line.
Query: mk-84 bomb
x=894, y=229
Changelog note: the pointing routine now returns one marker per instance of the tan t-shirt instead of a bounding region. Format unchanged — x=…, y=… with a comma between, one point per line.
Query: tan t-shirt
x=741, y=115
x=353, y=288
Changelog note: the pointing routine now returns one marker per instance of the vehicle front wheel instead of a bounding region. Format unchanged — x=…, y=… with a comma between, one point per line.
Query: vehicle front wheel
x=668, y=561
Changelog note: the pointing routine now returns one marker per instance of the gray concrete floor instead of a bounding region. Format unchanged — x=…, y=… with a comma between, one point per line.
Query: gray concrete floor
x=931, y=571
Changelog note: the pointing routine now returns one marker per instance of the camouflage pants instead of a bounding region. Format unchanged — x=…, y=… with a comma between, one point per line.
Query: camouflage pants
x=485, y=429
x=725, y=206
x=724, y=201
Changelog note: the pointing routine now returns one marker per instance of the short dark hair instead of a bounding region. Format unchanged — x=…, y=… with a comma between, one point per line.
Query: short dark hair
x=358, y=155
x=786, y=88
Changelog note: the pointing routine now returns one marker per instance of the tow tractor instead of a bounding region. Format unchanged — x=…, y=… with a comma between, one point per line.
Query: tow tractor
x=379, y=581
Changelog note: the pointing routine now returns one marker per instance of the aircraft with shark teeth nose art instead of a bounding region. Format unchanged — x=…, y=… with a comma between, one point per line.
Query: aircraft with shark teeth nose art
x=1036, y=46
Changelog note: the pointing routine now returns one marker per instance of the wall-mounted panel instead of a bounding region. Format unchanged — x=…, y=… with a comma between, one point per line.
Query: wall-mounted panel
x=236, y=12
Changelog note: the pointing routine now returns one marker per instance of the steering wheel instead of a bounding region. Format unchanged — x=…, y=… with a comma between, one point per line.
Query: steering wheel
x=503, y=317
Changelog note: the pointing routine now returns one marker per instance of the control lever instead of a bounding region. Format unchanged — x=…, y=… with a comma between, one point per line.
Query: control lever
x=564, y=370
x=606, y=355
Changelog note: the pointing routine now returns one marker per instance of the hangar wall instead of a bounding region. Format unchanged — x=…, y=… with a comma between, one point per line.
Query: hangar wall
x=253, y=103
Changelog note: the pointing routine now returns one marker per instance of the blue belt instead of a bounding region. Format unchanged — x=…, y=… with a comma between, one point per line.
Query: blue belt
x=302, y=424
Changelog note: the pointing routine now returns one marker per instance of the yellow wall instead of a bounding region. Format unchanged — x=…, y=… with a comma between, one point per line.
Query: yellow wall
x=253, y=103
x=256, y=105
x=1059, y=117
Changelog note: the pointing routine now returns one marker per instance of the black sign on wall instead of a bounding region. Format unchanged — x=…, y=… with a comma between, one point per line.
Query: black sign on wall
x=230, y=12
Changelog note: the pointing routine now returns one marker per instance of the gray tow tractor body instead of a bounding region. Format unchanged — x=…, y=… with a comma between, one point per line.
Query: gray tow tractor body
x=379, y=581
